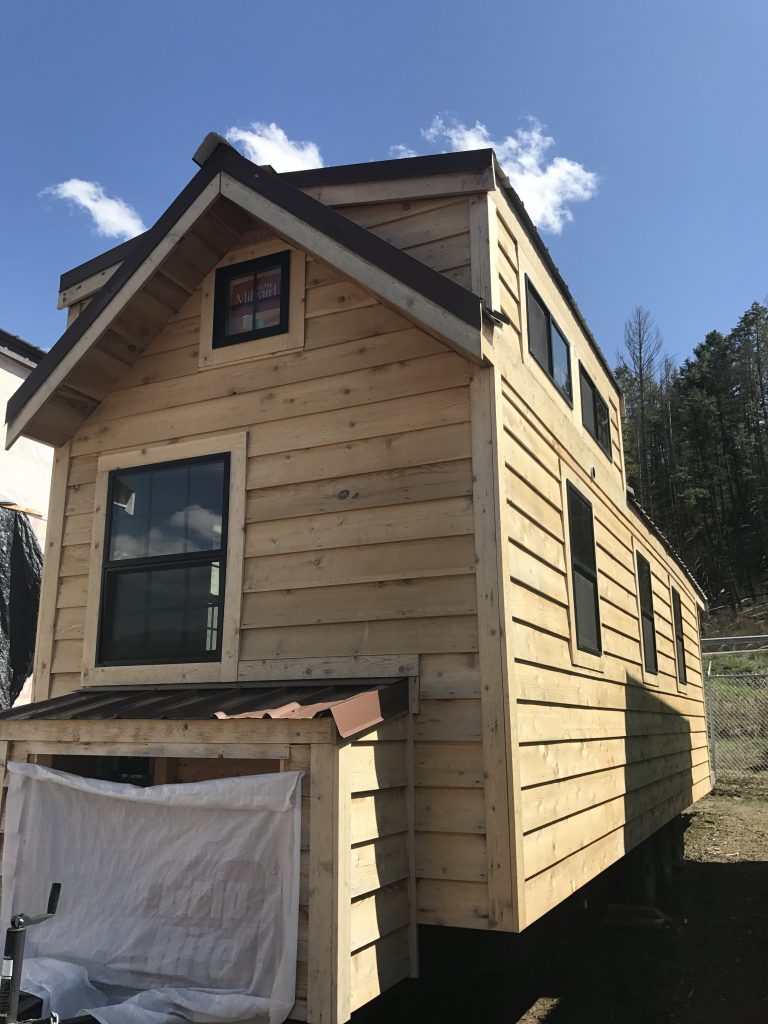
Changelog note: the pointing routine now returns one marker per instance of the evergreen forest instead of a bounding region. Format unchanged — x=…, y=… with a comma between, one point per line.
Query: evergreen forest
x=696, y=449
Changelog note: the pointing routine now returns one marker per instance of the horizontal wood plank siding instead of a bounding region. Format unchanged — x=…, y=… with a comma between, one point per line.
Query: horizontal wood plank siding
x=608, y=753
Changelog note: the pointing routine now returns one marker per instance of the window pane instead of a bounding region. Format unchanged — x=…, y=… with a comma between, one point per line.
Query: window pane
x=644, y=583
x=538, y=331
x=239, y=316
x=603, y=425
x=167, y=510
x=162, y=614
x=561, y=362
x=649, y=644
x=582, y=531
x=267, y=310
x=679, y=641
x=587, y=621
x=587, y=404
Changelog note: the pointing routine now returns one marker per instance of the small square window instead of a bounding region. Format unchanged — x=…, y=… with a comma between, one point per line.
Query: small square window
x=251, y=300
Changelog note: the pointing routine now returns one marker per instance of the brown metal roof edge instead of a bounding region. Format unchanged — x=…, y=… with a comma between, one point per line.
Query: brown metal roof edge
x=137, y=255
x=342, y=174
x=640, y=512
x=444, y=292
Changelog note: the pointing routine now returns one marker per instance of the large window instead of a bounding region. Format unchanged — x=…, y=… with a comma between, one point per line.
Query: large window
x=677, y=614
x=648, y=623
x=584, y=572
x=251, y=300
x=547, y=344
x=594, y=412
x=164, y=563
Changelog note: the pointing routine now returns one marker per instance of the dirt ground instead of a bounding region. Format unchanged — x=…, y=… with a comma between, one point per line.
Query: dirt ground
x=708, y=965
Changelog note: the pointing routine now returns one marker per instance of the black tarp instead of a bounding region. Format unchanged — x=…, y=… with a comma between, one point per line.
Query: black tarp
x=21, y=564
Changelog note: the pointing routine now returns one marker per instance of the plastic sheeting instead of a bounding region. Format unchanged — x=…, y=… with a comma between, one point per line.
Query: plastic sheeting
x=178, y=903
x=21, y=564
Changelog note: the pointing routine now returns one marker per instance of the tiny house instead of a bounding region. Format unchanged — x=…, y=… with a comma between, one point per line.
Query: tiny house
x=339, y=487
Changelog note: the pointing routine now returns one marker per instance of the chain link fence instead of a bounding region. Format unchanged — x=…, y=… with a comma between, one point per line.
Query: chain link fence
x=738, y=725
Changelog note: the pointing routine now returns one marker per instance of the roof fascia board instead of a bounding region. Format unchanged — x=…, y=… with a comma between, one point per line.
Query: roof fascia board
x=411, y=302
x=402, y=189
x=85, y=288
x=106, y=312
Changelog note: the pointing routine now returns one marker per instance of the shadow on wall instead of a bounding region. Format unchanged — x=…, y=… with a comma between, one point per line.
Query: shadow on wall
x=571, y=966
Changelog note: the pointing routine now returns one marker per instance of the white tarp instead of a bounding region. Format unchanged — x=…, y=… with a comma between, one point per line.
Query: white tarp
x=178, y=903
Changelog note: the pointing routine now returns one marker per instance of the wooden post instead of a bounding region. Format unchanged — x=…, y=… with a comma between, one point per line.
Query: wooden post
x=322, y=955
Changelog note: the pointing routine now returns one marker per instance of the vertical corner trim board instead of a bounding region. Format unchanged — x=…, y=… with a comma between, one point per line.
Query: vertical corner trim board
x=504, y=847
x=41, y=679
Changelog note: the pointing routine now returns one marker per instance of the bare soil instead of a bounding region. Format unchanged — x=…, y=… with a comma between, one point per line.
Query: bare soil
x=708, y=965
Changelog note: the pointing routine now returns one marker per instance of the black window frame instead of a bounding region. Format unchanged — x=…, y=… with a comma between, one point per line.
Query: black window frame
x=223, y=278
x=677, y=622
x=596, y=400
x=567, y=396
x=643, y=566
x=587, y=572
x=111, y=567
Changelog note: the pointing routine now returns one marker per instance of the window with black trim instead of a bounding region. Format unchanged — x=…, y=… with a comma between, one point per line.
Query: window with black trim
x=547, y=344
x=648, y=622
x=677, y=615
x=251, y=300
x=162, y=593
x=584, y=572
x=594, y=412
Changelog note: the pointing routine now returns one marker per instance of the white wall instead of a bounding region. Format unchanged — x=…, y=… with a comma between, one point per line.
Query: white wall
x=25, y=471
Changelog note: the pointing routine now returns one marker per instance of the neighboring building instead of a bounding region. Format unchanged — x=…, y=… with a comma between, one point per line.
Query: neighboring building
x=25, y=471
x=337, y=451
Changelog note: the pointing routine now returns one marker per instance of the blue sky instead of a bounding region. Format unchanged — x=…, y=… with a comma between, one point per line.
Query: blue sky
x=664, y=102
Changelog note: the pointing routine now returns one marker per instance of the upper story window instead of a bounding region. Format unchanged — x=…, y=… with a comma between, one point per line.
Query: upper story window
x=677, y=615
x=648, y=622
x=251, y=300
x=584, y=572
x=547, y=344
x=164, y=563
x=594, y=412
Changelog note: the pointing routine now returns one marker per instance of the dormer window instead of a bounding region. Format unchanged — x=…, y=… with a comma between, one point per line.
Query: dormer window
x=251, y=300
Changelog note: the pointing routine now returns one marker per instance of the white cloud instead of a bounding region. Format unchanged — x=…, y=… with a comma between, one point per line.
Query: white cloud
x=112, y=217
x=268, y=144
x=401, y=152
x=546, y=186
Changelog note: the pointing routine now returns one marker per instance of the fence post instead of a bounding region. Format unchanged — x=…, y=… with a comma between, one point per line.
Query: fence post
x=710, y=730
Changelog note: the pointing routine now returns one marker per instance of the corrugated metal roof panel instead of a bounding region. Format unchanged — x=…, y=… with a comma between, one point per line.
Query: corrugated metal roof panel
x=355, y=705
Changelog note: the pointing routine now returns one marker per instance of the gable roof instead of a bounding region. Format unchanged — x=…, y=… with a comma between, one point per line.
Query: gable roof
x=441, y=305
x=465, y=163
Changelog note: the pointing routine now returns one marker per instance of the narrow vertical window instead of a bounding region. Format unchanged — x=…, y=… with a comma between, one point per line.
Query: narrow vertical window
x=648, y=623
x=677, y=614
x=594, y=412
x=584, y=572
x=547, y=344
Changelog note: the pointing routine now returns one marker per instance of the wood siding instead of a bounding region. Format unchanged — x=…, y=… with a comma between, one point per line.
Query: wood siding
x=607, y=752
x=359, y=531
